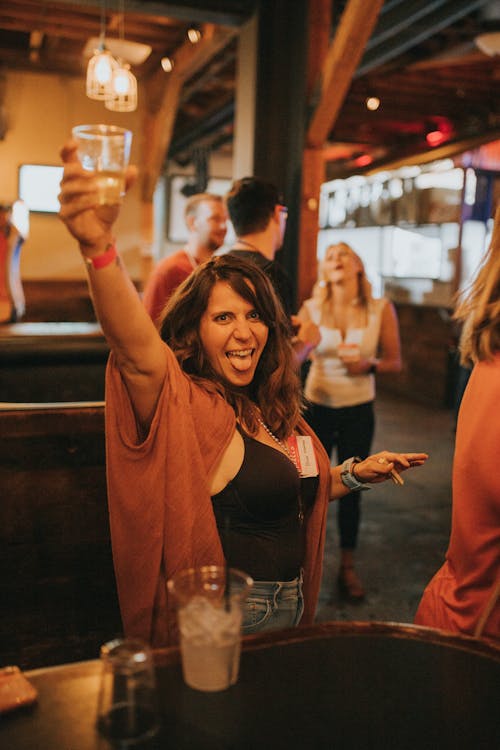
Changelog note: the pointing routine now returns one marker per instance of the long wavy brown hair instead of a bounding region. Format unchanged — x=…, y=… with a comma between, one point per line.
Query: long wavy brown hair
x=479, y=306
x=275, y=388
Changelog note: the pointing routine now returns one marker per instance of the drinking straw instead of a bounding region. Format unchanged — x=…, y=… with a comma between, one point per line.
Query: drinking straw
x=227, y=593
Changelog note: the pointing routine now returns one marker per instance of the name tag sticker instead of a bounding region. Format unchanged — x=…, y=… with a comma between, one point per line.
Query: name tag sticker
x=302, y=449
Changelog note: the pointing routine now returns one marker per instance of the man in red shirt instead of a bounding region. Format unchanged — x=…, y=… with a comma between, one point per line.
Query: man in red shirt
x=206, y=220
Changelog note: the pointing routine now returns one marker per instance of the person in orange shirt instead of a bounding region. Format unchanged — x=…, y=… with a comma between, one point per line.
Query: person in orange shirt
x=206, y=221
x=464, y=595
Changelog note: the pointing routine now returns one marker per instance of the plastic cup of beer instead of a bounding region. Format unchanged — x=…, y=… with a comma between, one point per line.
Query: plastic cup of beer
x=209, y=608
x=349, y=352
x=105, y=150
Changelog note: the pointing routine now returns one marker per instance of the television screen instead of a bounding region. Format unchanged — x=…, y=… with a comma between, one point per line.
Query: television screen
x=39, y=187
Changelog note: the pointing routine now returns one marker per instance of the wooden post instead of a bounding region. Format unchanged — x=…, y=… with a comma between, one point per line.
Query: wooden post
x=346, y=50
x=330, y=72
x=313, y=175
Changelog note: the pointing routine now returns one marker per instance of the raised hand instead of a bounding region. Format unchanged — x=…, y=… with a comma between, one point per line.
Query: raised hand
x=88, y=222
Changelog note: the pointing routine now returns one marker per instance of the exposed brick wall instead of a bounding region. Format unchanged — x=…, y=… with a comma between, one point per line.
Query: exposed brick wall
x=428, y=340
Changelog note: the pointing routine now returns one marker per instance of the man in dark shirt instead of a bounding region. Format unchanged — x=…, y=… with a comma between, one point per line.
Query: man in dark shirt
x=259, y=217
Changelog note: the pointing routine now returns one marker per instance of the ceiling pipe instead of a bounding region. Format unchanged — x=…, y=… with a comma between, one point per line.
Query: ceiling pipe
x=380, y=51
x=211, y=125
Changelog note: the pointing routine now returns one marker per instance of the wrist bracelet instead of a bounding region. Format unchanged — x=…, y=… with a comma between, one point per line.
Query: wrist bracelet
x=104, y=259
x=348, y=478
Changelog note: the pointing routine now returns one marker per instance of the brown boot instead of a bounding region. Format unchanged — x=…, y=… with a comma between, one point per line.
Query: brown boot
x=349, y=584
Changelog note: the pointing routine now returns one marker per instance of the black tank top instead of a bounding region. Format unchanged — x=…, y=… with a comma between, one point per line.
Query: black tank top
x=257, y=514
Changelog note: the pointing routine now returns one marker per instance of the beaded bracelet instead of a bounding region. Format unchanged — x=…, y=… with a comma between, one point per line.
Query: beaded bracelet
x=104, y=259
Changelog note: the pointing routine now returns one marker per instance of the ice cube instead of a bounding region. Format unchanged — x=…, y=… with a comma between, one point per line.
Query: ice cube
x=206, y=622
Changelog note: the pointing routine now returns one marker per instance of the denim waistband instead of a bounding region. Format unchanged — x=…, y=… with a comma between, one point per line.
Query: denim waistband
x=277, y=587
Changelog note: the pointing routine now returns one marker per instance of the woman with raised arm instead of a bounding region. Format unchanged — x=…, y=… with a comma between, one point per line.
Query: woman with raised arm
x=208, y=458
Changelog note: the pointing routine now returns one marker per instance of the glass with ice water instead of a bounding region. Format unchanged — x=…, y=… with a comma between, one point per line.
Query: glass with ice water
x=105, y=150
x=209, y=606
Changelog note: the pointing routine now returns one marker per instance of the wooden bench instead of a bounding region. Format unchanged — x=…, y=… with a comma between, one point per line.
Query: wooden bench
x=57, y=587
x=52, y=362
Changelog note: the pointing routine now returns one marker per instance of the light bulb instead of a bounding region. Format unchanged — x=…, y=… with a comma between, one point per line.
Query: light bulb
x=372, y=103
x=99, y=74
x=123, y=96
x=103, y=69
x=121, y=83
x=167, y=64
x=194, y=35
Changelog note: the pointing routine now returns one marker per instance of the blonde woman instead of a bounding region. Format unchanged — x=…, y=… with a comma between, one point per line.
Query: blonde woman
x=464, y=595
x=359, y=338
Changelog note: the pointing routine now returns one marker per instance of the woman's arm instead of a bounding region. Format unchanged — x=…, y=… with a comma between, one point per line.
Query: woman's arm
x=307, y=334
x=128, y=328
x=389, y=346
x=374, y=469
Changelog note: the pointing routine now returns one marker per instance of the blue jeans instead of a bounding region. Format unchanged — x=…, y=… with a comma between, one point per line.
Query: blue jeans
x=273, y=604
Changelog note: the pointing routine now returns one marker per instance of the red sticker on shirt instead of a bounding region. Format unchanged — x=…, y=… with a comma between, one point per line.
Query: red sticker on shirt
x=302, y=451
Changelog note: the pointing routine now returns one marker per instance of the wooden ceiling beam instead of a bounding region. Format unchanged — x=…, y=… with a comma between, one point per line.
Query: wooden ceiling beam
x=355, y=27
x=162, y=101
x=231, y=13
x=320, y=21
x=461, y=59
x=446, y=151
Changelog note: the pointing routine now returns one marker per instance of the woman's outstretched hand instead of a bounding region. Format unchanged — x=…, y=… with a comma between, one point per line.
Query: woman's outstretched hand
x=382, y=466
x=88, y=222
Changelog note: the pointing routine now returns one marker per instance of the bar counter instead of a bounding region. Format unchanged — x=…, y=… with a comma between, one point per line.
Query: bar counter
x=328, y=686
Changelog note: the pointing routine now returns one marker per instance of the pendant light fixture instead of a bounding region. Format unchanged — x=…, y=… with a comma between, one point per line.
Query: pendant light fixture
x=123, y=93
x=101, y=66
x=123, y=96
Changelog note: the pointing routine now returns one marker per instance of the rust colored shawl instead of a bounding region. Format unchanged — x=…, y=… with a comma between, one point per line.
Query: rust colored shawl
x=160, y=508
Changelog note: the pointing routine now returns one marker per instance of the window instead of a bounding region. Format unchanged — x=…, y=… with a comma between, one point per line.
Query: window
x=39, y=187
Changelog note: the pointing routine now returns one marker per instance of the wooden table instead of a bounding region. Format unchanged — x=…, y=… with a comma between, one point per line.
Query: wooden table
x=335, y=686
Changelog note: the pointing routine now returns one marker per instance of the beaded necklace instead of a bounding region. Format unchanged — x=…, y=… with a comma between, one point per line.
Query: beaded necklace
x=280, y=443
x=291, y=457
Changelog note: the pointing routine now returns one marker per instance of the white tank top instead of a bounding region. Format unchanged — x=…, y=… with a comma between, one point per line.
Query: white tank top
x=328, y=382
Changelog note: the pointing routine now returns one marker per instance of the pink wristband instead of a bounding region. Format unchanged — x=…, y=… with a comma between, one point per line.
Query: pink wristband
x=103, y=260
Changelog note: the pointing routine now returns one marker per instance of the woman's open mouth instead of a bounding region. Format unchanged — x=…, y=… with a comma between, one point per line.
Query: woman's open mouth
x=241, y=359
